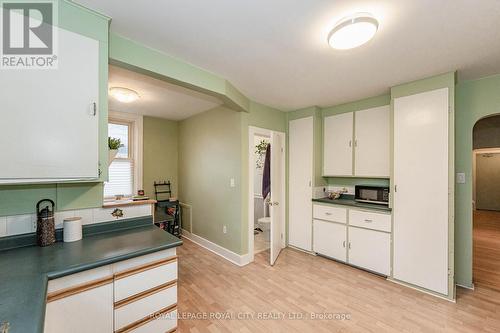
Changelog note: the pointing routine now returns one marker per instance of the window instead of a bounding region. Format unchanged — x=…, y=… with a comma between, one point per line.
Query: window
x=125, y=171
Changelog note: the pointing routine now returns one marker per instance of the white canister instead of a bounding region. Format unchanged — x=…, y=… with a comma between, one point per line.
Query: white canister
x=72, y=229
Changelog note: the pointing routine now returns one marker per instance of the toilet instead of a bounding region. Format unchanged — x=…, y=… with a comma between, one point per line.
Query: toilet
x=265, y=224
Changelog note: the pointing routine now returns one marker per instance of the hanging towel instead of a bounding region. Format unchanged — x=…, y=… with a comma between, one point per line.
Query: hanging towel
x=266, y=175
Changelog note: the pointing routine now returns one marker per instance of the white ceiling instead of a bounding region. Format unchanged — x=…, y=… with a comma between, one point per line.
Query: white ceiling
x=276, y=52
x=157, y=98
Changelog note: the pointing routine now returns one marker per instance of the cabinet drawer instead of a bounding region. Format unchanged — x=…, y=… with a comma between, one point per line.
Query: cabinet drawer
x=78, y=280
x=370, y=220
x=136, y=309
x=330, y=213
x=165, y=323
x=136, y=280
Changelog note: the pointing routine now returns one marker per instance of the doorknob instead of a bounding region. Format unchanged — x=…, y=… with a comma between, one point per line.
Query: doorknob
x=275, y=203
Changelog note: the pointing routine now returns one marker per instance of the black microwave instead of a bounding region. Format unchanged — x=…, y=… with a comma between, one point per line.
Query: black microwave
x=372, y=194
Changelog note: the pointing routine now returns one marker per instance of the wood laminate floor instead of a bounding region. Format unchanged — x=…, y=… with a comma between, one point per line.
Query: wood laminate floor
x=214, y=296
x=486, y=260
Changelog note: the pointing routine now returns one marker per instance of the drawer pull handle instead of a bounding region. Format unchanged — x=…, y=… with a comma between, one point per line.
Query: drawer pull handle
x=368, y=221
x=328, y=213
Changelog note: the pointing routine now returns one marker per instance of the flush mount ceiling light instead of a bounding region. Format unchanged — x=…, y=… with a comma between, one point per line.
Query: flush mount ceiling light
x=124, y=95
x=353, y=31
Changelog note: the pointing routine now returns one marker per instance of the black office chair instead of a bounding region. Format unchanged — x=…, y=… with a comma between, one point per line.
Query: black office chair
x=167, y=212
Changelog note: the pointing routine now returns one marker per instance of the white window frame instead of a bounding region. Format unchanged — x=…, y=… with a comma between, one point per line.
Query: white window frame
x=135, y=144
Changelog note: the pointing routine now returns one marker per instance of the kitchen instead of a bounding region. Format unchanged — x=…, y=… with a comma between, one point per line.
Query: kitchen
x=370, y=215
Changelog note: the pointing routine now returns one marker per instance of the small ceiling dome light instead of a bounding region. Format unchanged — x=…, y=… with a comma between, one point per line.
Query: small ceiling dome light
x=124, y=95
x=353, y=31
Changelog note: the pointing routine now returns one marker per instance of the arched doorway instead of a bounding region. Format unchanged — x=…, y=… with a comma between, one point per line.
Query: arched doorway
x=486, y=202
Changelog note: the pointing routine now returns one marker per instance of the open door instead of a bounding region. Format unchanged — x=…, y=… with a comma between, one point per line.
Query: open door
x=277, y=201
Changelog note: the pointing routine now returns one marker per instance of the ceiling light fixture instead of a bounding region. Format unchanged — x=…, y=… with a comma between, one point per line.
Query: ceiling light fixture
x=124, y=95
x=353, y=31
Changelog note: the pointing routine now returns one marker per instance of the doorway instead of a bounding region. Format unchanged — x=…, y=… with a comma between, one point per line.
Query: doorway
x=266, y=213
x=486, y=202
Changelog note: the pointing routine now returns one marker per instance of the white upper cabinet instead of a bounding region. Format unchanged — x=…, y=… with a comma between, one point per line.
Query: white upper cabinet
x=337, y=145
x=49, y=118
x=372, y=142
x=362, y=137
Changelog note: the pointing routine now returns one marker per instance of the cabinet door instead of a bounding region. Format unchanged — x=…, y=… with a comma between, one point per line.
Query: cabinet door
x=88, y=311
x=370, y=250
x=49, y=130
x=337, y=145
x=371, y=143
x=300, y=177
x=420, y=202
x=329, y=239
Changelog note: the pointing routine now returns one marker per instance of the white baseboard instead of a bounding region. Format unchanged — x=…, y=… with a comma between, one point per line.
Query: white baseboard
x=425, y=291
x=466, y=287
x=240, y=260
x=301, y=250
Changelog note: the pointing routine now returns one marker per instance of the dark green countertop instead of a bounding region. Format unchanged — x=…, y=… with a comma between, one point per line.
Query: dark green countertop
x=352, y=203
x=24, y=272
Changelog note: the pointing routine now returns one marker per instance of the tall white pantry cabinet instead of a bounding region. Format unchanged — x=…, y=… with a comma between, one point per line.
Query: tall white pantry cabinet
x=300, y=133
x=422, y=190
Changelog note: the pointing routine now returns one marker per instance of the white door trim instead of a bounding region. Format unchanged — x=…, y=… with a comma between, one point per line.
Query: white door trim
x=252, y=131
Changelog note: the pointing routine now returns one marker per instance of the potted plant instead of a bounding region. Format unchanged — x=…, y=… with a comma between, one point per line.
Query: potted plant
x=113, y=144
x=260, y=150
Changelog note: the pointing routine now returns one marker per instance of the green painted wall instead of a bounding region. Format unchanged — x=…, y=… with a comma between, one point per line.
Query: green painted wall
x=258, y=116
x=160, y=157
x=475, y=100
x=367, y=103
x=21, y=199
x=213, y=148
x=209, y=156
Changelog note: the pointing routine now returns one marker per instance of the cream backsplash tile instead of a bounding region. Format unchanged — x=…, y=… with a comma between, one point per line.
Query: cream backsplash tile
x=21, y=224
x=3, y=226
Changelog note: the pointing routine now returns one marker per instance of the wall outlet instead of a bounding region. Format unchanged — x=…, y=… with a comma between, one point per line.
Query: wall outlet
x=460, y=178
x=224, y=229
x=232, y=182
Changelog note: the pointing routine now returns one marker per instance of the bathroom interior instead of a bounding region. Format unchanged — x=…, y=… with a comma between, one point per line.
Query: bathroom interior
x=262, y=220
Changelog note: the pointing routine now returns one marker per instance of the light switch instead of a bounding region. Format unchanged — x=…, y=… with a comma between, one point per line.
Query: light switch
x=460, y=178
x=232, y=183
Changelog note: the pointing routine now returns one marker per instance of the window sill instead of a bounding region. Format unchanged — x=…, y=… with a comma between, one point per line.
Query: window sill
x=127, y=202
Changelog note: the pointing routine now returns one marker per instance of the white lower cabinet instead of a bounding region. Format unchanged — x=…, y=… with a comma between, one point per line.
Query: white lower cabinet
x=362, y=240
x=370, y=250
x=135, y=295
x=83, y=312
x=330, y=239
